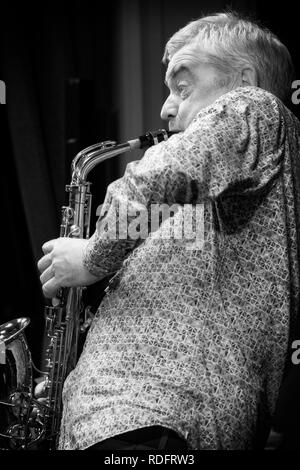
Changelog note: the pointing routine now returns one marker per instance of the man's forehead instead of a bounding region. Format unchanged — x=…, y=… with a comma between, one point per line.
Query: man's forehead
x=187, y=58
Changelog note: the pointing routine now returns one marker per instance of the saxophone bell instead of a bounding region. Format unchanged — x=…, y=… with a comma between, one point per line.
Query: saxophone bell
x=18, y=428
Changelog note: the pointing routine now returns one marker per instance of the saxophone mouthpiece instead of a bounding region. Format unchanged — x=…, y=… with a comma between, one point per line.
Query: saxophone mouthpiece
x=149, y=139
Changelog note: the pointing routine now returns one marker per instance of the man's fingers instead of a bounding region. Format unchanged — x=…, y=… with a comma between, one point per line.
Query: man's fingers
x=48, y=246
x=50, y=288
x=44, y=263
x=46, y=275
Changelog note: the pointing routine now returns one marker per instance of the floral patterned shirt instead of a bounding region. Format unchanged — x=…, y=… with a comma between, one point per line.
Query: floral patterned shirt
x=192, y=336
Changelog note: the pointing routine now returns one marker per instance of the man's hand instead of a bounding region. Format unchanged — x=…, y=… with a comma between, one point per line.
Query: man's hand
x=62, y=265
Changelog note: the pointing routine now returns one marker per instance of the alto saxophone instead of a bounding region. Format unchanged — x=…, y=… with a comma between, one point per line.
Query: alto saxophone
x=25, y=422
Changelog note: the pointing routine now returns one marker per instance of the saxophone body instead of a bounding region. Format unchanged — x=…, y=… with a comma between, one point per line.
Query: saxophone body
x=26, y=422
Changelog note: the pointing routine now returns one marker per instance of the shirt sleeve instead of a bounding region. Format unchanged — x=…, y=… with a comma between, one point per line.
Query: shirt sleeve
x=234, y=146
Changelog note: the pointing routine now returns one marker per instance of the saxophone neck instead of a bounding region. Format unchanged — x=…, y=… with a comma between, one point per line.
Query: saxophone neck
x=88, y=158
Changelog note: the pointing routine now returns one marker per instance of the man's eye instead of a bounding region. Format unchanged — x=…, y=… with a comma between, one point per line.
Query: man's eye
x=182, y=90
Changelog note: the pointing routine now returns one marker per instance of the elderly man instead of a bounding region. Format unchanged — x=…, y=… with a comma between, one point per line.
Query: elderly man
x=188, y=347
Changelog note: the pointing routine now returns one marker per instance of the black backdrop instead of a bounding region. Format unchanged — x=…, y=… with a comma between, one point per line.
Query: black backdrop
x=77, y=73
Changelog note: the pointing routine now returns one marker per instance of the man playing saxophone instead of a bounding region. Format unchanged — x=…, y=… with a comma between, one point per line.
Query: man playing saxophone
x=188, y=347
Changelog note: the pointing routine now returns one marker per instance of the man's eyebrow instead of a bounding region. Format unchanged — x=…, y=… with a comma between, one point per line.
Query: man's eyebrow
x=172, y=75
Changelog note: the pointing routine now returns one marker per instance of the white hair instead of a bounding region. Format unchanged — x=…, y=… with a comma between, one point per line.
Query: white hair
x=231, y=43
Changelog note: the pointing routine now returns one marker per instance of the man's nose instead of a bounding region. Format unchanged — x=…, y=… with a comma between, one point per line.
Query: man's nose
x=169, y=109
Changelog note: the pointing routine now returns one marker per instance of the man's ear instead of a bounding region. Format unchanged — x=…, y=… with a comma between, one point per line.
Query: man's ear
x=249, y=77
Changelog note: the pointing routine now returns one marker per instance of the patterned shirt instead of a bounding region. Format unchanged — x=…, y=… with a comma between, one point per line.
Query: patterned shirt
x=192, y=336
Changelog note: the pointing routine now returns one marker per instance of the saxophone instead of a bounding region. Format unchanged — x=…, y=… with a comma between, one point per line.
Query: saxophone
x=25, y=422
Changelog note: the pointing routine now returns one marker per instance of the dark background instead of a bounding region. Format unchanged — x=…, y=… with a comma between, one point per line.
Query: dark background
x=77, y=73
